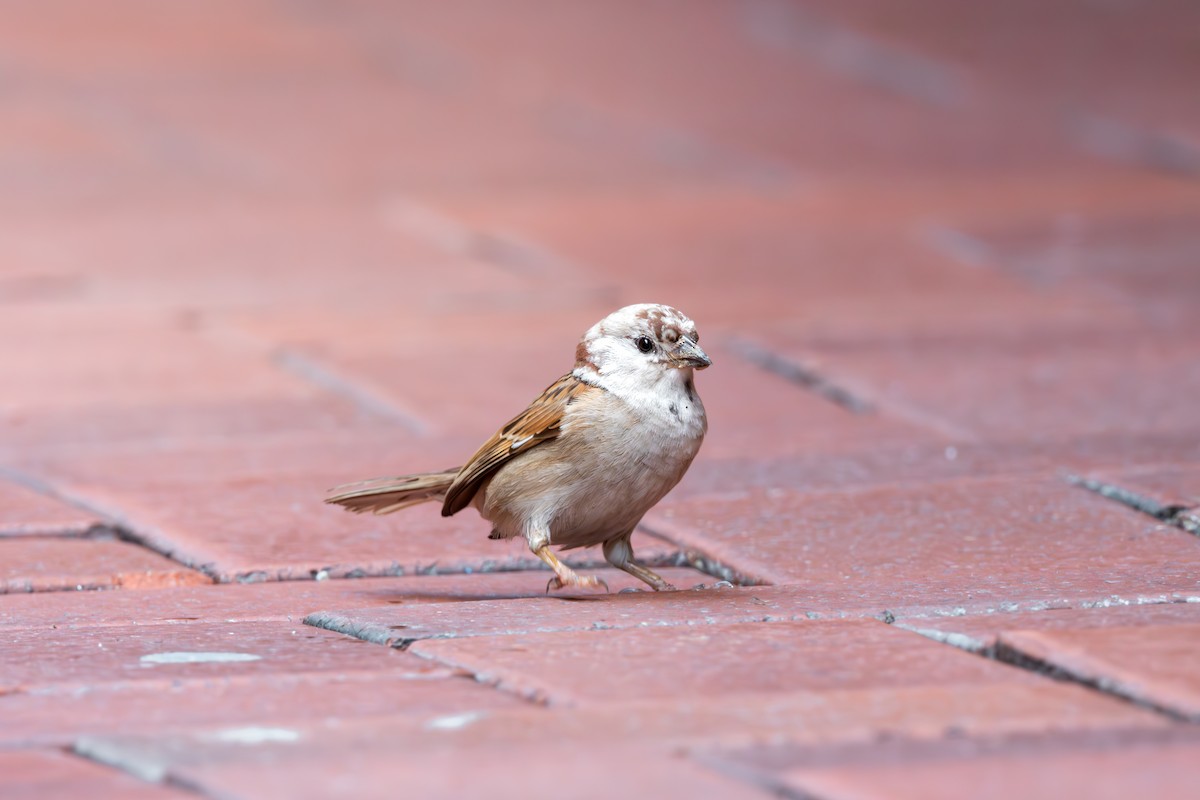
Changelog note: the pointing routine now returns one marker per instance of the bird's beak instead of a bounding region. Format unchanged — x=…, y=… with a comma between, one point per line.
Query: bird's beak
x=688, y=354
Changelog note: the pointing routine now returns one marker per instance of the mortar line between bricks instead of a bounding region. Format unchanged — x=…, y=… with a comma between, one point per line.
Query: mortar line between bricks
x=800, y=375
x=535, y=697
x=1004, y=653
x=752, y=775
x=758, y=776
x=366, y=400
x=696, y=558
x=909, y=618
x=910, y=749
x=1121, y=142
x=502, y=250
x=114, y=521
x=397, y=570
x=91, y=750
x=865, y=59
x=810, y=379
x=1176, y=515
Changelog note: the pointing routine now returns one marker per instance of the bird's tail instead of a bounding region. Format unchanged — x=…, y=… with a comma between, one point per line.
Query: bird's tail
x=385, y=495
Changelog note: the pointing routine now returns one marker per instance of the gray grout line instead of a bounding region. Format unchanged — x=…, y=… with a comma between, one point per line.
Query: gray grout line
x=98, y=750
x=366, y=400
x=774, y=786
x=79, y=531
x=112, y=519
x=1007, y=654
x=800, y=375
x=957, y=245
x=694, y=557
x=1120, y=141
x=503, y=250
x=691, y=151
x=484, y=566
x=812, y=380
x=47, y=489
x=789, y=30
x=911, y=749
x=1004, y=653
x=1176, y=515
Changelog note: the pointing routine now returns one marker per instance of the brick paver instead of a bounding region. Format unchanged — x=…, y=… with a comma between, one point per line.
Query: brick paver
x=943, y=256
x=24, y=512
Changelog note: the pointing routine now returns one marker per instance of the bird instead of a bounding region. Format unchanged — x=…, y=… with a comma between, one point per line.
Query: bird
x=588, y=458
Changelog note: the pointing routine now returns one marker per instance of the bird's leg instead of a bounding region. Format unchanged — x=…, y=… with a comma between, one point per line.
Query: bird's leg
x=539, y=543
x=619, y=553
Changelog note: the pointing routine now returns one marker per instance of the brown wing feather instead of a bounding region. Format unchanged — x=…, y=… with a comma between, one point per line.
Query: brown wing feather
x=539, y=423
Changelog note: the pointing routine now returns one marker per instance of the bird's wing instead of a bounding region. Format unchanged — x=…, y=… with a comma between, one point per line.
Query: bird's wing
x=541, y=422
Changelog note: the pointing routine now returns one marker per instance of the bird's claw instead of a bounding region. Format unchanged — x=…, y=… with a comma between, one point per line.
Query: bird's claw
x=579, y=581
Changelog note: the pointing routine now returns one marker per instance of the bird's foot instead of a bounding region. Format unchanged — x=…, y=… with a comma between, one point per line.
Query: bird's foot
x=570, y=579
x=647, y=576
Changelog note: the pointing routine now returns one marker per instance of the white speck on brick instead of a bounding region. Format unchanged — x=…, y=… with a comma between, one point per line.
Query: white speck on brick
x=256, y=735
x=197, y=658
x=454, y=722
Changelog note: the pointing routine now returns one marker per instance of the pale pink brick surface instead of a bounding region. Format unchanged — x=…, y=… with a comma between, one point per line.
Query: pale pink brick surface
x=24, y=512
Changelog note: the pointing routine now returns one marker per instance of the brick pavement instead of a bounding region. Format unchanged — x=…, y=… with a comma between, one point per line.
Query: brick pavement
x=944, y=255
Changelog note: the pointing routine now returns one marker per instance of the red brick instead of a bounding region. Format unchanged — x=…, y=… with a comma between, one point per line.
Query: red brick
x=127, y=39
x=1043, y=387
x=291, y=601
x=780, y=54
x=150, y=378
x=362, y=769
x=542, y=770
x=1150, y=664
x=145, y=359
x=1141, y=256
x=1057, y=42
x=1038, y=770
x=247, y=511
x=1137, y=651
x=181, y=425
x=34, y=774
x=298, y=538
x=61, y=715
x=24, y=512
x=851, y=463
x=982, y=631
x=745, y=403
x=808, y=266
x=529, y=749
x=1170, y=485
x=568, y=668
x=957, y=543
x=53, y=564
x=522, y=354
x=81, y=658
x=811, y=719
x=591, y=611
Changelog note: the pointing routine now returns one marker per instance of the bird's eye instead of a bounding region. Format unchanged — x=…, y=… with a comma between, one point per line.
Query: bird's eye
x=644, y=344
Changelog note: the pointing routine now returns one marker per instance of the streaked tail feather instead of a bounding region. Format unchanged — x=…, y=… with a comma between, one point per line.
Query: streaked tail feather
x=385, y=495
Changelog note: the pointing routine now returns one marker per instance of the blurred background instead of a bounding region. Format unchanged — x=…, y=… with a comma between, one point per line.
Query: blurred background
x=251, y=249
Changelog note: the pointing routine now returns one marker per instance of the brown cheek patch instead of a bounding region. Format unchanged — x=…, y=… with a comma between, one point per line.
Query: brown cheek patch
x=583, y=357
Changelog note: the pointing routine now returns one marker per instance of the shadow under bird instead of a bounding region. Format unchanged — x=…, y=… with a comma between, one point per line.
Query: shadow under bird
x=591, y=455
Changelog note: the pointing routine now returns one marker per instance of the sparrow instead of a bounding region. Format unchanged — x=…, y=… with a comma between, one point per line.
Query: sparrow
x=588, y=458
